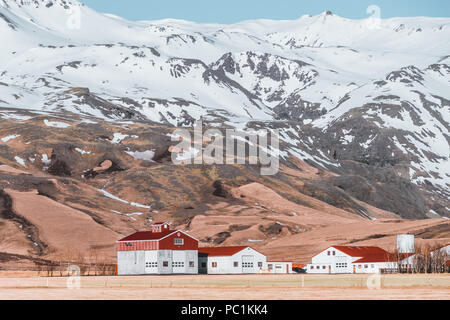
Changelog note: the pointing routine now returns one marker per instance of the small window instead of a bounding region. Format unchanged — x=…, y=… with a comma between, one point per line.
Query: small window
x=214, y=264
x=165, y=264
x=366, y=266
x=203, y=264
x=334, y=253
x=373, y=266
x=178, y=241
x=318, y=267
x=236, y=264
x=191, y=264
x=270, y=267
x=260, y=264
x=329, y=253
x=324, y=267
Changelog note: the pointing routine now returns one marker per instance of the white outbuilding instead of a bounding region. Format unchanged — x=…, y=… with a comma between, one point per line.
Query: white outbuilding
x=352, y=259
x=279, y=267
x=231, y=260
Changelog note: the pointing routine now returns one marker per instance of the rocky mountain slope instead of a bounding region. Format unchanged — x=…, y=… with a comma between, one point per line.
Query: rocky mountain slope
x=88, y=102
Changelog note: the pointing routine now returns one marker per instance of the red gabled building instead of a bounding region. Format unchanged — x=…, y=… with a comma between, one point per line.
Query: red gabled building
x=159, y=251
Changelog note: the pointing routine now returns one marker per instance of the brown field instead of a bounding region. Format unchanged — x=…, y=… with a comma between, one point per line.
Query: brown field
x=28, y=286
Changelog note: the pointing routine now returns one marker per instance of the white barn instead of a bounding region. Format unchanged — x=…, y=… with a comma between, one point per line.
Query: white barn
x=159, y=251
x=351, y=259
x=231, y=260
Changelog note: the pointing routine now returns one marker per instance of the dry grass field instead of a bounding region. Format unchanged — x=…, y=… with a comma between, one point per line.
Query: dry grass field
x=224, y=287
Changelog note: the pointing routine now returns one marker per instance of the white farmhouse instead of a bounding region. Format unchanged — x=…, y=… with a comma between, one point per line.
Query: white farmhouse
x=352, y=259
x=231, y=260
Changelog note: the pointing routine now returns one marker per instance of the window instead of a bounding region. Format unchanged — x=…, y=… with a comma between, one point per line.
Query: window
x=360, y=266
x=324, y=267
x=329, y=253
x=178, y=264
x=165, y=264
x=260, y=264
x=178, y=241
x=203, y=264
x=334, y=253
x=366, y=266
x=318, y=267
x=214, y=264
x=270, y=267
x=236, y=264
x=191, y=264
x=151, y=264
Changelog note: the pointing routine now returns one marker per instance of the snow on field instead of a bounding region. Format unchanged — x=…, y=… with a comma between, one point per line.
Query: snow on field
x=45, y=160
x=81, y=151
x=119, y=137
x=10, y=137
x=20, y=161
x=134, y=204
x=144, y=155
x=56, y=124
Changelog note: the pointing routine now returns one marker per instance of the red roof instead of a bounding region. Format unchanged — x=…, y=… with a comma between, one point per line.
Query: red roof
x=147, y=235
x=356, y=251
x=366, y=254
x=221, y=251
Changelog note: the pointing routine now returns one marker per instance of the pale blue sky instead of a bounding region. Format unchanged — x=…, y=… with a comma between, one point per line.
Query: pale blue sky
x=229, y=11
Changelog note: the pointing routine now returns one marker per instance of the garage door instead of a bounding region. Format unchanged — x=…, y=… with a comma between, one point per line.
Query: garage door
x=151, y=262
x=178, y=262
x=248, y=263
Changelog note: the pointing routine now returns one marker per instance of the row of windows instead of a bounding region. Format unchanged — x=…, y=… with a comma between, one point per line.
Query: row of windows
x=151, y=265
x=235, y=264
x=166, y=264
x=318, y=267
x=178, y=264
x=341, y=265
x=366, y=266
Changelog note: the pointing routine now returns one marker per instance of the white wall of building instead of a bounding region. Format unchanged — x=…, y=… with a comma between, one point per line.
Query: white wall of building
x=333, y=261
x=157, y=262
x=247, y=261
x=279, y=267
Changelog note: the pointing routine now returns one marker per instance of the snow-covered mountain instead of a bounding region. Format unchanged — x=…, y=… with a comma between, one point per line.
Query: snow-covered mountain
x=375, y=92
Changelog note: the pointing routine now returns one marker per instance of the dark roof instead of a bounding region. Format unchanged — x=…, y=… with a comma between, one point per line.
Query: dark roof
x=221, y=251
x=357, y=251
x=147, y=235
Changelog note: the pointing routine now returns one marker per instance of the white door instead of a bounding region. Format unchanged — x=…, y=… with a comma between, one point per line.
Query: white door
x=179, y=262
x=248, y=264
x=151, y=262
x=279, y=268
